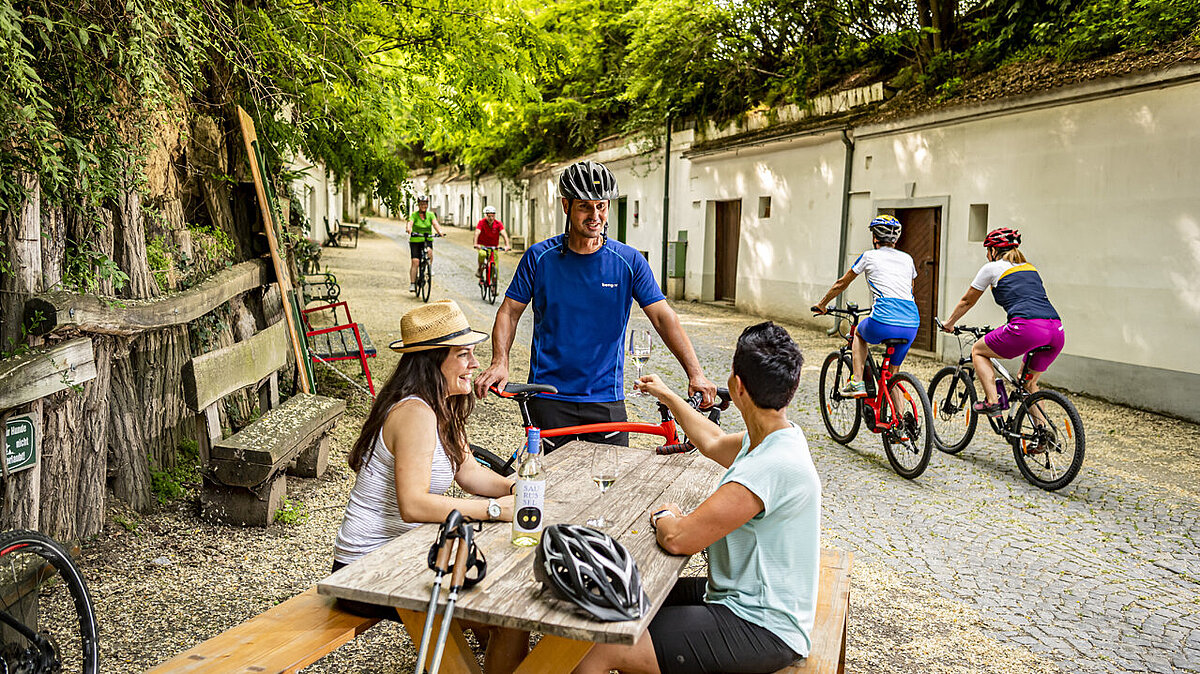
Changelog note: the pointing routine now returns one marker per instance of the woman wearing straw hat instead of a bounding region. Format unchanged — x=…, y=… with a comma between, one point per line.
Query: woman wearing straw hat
x=413, y=445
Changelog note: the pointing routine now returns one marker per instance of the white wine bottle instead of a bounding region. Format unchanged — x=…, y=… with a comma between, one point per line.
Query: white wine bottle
x=528, y=512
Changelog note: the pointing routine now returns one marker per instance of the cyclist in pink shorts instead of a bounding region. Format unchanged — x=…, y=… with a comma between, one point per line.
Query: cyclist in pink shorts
x=1032, y=320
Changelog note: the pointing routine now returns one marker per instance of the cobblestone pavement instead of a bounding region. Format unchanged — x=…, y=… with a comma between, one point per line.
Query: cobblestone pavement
x=1101, y=576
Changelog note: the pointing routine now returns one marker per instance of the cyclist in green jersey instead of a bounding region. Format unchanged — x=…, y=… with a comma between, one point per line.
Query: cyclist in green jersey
x=420, y=226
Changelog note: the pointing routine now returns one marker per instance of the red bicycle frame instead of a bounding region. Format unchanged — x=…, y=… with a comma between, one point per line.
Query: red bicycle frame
x=880, y=379
x=667, y=429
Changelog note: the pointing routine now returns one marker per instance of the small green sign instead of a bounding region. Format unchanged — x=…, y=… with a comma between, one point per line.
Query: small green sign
x=20, y=443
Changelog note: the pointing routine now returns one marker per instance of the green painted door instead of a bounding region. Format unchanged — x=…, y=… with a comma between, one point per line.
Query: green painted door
x=622, y=211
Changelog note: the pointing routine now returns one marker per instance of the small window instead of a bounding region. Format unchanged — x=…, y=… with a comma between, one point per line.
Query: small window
x=977, y=226
x=867, y=162
x=637, y=208
x=764, y=207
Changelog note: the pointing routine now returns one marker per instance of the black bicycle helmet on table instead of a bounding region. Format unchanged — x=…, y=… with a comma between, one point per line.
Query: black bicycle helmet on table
x=592, y=570
x=588, y=181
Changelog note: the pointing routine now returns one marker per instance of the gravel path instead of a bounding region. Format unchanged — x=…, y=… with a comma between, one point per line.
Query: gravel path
x=966, y=569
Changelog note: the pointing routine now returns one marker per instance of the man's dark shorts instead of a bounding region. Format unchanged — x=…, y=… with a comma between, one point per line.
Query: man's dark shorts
x=548, y=413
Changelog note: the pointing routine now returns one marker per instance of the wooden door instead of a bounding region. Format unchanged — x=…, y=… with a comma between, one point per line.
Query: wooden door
x=622, y=212
x=922, y=239
x=729, y=226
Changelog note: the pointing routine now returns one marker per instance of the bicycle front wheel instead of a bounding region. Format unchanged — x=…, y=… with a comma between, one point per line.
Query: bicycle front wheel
x=841, y=415
x=425, y=282
x=909, y=446
x=1049, y=444
x=492, y=284
x=952, y=398
x=48, y=623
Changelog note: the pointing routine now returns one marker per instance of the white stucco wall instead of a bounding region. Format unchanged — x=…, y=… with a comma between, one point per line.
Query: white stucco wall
x=1105, y=195
x=788, y=260
x=320, y=196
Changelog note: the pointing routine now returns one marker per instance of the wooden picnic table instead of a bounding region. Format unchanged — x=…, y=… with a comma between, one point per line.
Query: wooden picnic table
x=398, y=575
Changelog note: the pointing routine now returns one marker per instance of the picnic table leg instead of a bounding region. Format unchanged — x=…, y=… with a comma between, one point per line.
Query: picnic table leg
x=457, y=658
x=554, y=654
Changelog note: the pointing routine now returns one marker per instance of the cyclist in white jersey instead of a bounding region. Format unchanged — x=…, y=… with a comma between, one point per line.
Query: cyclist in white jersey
x=894, y=314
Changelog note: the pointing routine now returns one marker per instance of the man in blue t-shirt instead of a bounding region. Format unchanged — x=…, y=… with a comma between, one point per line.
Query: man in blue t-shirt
x=581, y=286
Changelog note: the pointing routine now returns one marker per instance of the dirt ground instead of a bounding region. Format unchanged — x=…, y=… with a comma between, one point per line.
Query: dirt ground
x=166, y=581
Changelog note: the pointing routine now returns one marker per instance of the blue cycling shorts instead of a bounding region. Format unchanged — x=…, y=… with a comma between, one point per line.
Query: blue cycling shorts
x=874, y=332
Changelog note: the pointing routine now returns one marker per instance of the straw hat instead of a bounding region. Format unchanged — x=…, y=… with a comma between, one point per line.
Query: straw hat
x=433, y=326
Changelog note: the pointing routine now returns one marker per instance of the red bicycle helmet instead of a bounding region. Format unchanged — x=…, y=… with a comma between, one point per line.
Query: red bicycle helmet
x=1002, y=238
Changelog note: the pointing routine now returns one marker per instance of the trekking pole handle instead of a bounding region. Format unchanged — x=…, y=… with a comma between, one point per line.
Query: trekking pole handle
x=460, y=559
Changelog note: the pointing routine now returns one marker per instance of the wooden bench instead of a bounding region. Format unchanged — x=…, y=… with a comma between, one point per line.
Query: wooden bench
x=305, y=628
x=284, y=639
x=244, y=474
x=340, y=231
x=319, y=287
x=341, y=341
x=828, y=652
x=518, y=242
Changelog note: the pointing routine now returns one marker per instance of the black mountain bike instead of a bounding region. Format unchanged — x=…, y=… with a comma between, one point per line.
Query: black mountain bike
x=1044, y=428
x=425, y=268
x=46, y=618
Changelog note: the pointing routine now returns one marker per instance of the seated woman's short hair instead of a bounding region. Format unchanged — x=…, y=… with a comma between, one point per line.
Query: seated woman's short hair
x=768, y=361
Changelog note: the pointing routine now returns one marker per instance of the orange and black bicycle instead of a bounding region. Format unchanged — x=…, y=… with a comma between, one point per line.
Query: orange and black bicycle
x=902, y=419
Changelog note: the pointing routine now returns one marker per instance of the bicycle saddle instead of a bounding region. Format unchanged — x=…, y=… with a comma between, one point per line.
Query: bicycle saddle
x=894, y=341
x=1044, y=347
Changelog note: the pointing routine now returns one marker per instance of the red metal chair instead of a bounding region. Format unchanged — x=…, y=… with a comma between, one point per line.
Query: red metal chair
x=342, y=341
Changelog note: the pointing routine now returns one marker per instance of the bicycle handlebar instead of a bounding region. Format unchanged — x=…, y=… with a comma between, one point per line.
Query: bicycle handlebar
x=977, y=332
x=851, y=311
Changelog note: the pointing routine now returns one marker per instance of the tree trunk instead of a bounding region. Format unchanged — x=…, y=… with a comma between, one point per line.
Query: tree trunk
x=127, y=453
x=93, y=231
x=54, y=243
x=75, y=454
x=20, y=232
x=130, y=244
x=158, y=359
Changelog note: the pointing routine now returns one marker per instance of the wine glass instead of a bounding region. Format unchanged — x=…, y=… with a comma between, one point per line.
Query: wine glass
x=641, y=344
x=605, y=462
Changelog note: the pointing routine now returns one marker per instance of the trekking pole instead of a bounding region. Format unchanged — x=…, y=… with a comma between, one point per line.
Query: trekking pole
x=465, y=543
x=439, y=561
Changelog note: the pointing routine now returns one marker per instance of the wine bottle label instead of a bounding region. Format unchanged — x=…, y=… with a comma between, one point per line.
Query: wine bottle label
x=527, y=508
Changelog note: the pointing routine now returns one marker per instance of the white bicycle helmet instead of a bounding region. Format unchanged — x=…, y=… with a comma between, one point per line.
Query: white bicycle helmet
x=489, y=209
x=592, y=570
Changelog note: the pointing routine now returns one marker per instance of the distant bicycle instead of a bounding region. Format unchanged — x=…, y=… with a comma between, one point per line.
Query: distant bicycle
x=49, y=622
x=488, y=283
x=425, y=269
x=1044, y=428
x=901, y=419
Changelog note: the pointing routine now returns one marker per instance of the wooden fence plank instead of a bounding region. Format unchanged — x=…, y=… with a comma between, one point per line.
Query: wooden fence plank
x=57, y=310
x=45, y=370
x=209, y=377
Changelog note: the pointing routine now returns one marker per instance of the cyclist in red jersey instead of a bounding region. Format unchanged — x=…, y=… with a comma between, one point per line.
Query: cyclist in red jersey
x=488, y=232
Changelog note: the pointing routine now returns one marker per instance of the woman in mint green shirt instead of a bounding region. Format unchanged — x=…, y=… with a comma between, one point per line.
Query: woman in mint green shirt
x=755, y=611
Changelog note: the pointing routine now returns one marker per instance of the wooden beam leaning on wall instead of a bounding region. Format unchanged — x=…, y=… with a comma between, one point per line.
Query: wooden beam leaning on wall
x=52, y=311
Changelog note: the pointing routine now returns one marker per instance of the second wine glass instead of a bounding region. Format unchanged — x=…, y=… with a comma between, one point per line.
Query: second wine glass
x=605, y=464
x=641, y=345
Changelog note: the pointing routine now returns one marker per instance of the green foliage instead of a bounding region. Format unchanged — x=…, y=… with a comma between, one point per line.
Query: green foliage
x=291, y=512
x=169, y=485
